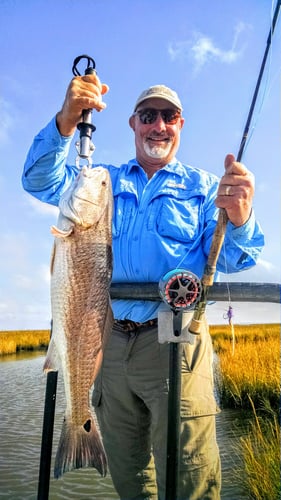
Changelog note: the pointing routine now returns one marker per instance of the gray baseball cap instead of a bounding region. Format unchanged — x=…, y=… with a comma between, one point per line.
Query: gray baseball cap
x=162, y=92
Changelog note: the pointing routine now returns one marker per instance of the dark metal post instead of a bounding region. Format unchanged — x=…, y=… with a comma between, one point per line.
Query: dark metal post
x=174, y=403
x=47, y=436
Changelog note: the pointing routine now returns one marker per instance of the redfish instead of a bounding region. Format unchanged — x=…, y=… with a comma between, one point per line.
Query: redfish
x=82, y=318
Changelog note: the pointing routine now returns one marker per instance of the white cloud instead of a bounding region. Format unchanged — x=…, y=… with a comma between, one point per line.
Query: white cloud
x=268, y=266
x=18, y=316
x=44, y=273
x=6, y=113
x=41, y=207
x=202, y=49
x=36, y=279
x=244, y=313
x=263, y=272
x=23, y=281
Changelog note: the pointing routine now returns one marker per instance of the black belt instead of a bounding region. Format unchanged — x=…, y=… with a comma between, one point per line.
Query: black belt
x=126, y=325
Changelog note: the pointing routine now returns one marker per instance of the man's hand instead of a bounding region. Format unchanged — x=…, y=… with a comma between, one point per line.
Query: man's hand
x=236, y=191
x=84, y=92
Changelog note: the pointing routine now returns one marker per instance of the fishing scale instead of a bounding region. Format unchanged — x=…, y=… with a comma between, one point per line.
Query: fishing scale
x=84, y=146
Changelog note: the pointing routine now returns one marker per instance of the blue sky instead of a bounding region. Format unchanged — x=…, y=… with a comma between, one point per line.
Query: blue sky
x=210, y=52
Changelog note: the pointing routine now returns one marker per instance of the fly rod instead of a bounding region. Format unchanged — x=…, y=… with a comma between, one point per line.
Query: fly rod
x=191, y=285
x=219, y=233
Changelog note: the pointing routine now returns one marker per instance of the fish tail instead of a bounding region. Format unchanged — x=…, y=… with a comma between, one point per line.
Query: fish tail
x=80, y=446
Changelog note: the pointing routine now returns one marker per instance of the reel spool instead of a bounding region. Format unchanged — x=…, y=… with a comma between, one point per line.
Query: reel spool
x=180, y=289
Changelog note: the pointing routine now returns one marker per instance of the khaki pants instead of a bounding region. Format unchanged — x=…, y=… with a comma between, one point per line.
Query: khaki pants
x=130, y=398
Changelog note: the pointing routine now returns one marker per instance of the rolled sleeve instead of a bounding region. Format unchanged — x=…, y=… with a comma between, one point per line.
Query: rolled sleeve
x=243, y=246
x=45, y=174
x=245, y=232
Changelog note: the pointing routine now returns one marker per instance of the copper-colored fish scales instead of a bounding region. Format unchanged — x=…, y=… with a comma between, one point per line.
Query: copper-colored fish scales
x=81, y=312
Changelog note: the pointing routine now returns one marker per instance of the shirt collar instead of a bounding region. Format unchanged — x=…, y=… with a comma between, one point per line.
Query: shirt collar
x=174, y=166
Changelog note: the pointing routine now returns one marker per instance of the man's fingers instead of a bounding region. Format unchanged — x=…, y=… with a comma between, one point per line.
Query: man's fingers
x=104, y=88
x=229, y=159
x=233, y=167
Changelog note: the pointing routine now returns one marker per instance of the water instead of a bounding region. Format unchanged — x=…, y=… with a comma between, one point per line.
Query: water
x=22, y=404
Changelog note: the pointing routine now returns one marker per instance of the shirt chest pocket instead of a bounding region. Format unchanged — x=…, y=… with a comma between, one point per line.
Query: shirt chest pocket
x=124, y=210
x=179, y=218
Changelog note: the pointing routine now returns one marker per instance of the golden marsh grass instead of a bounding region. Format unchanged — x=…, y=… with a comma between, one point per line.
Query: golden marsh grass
x=16, y=340
x=249, y=377
x=260, y=451
x=253, y=369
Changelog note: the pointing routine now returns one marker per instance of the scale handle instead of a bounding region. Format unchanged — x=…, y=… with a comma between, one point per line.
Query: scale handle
x=86, y=126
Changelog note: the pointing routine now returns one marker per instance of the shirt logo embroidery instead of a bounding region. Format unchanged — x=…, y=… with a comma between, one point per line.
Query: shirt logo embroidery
x=173, y=184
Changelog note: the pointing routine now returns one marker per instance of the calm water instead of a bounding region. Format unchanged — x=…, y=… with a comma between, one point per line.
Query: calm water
x=22, y=403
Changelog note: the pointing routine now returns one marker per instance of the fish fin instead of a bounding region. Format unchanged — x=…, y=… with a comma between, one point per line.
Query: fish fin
x=63, y=228
x=61, y=233
x=109, y=320
x=52, y=358
x=106, y=334
x=80, y=446
x=53, y=254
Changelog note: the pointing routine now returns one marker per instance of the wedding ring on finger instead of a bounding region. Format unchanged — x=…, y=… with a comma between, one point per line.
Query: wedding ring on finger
x=227, y=190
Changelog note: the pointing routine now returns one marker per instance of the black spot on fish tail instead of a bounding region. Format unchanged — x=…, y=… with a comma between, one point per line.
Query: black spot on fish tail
x=80, y=446
x=87, y=426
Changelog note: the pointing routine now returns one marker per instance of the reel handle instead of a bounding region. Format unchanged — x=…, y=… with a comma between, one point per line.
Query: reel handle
x=85, y=127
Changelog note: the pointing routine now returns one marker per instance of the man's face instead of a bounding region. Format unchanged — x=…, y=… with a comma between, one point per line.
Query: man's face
x=156, y=140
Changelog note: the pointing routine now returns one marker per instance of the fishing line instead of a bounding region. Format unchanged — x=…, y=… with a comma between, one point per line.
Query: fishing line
x=229, y=313
x=220, y=230
x=247, y=138
x=260, y=76
x=194, y=244
x=267, y=86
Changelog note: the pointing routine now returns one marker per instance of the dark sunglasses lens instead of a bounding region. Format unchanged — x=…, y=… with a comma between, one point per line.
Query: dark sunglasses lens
x=169, y=115
x=149, y=115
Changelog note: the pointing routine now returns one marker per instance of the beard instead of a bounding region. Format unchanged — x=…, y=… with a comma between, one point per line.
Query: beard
x=157, y=151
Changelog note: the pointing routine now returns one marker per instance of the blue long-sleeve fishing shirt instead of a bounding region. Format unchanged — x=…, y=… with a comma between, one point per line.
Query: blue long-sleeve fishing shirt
x=158, y=224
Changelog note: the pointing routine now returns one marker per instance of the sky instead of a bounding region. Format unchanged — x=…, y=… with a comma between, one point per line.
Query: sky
x=209, y=52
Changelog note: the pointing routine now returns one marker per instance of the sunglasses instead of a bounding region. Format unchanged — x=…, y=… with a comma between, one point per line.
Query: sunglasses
x=148, y=116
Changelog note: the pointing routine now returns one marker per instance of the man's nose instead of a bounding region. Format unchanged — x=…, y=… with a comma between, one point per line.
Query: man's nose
x=159, y=123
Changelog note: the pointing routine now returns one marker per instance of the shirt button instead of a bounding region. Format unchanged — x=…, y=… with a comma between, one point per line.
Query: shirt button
x=135, y=238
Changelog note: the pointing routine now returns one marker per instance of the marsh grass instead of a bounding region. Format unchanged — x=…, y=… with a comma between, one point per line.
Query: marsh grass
x=260, y=451
x=252, y=370
x=248, y=377
x=18, y=340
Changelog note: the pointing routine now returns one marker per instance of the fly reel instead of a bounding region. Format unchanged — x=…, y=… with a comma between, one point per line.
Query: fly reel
x=180, y=289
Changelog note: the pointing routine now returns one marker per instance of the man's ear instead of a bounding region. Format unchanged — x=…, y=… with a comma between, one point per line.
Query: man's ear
x=182, y=120
x=132, y=122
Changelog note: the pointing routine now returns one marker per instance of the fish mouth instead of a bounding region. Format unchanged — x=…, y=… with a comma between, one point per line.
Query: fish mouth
x=85, y=200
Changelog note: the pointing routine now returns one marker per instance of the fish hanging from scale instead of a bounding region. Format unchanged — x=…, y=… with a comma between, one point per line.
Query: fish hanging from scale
x=82, y=318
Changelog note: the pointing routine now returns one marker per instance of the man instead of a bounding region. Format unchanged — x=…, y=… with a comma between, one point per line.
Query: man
x=164, y=215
